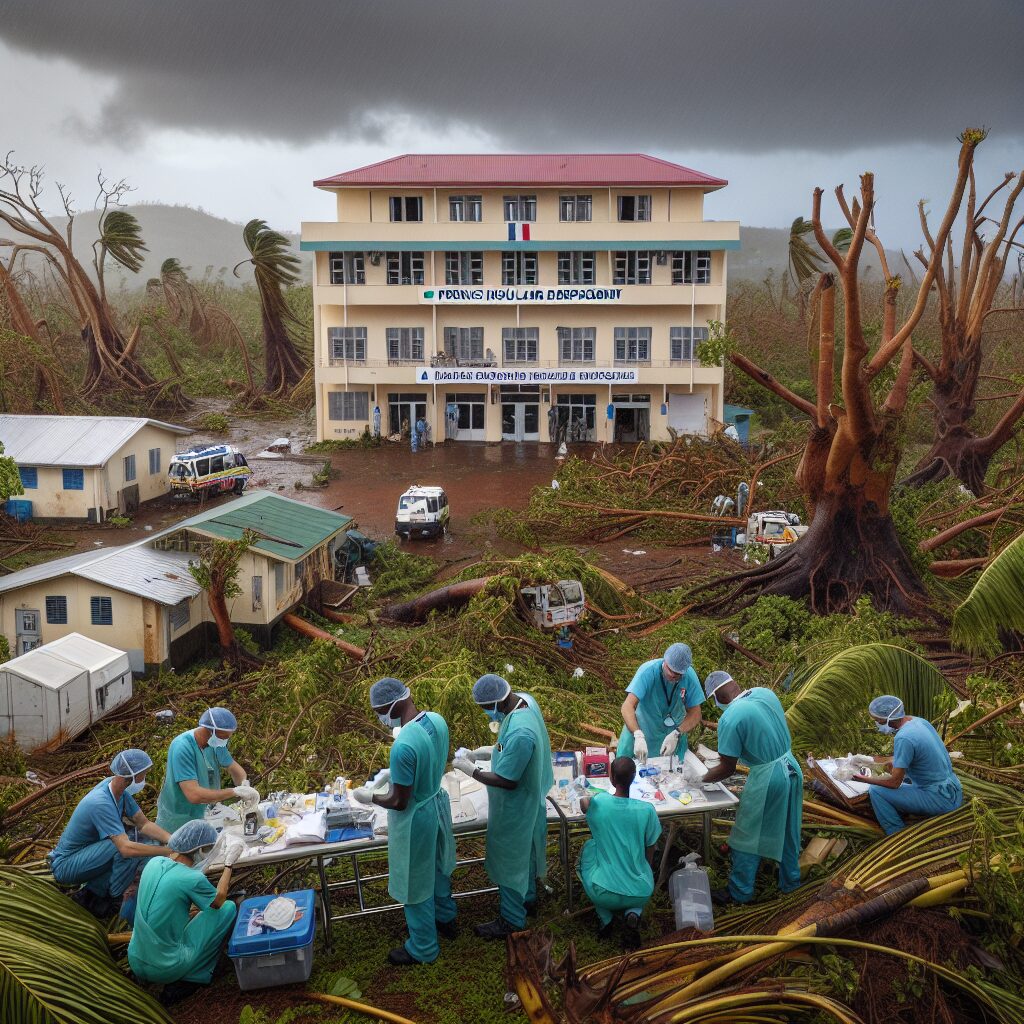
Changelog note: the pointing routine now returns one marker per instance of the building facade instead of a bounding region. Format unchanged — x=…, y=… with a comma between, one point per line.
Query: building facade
x=518, y=298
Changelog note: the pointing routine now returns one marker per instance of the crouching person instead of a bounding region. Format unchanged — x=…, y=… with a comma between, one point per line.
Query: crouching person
x=615, y=866
x=167, y=946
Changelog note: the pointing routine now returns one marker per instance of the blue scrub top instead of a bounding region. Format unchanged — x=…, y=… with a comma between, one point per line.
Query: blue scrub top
x=622, y=828
x=97, y=816
x=919, y=751
x=187, y=760
x=753, y=728
x=658, y=697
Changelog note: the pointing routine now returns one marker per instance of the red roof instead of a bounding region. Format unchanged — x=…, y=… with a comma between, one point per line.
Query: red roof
x=494, y=170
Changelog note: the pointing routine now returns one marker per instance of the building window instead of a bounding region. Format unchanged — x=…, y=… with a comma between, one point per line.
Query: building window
x=575, y=267
x=466, y=344
x=518, y=267
x=57, y=611
x=101, y=611
x=577, y=207
x=29, y=477
x=406, y=208
x=74, y=479
x=465, y=208
x=129, y=468
x=632, y=344
x=257, y=593
x=683, y=342
x=154, y=461
x=520, y=208
x=279, y=584
x=405, y=344
x=346, y=345
x=179, y=615
x=576, y=344
x=632, y=267
x=464, y=268
x=348, y=405
x=577, y=416
x=520, y=344
x=634, y=207
x=691, y=267
x=347, y=268
x=405, y=268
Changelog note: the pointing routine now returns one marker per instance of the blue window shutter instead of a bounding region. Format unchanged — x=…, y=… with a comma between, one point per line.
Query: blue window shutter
x=74, y=479
x=29, y=477
x=57, y=610
x=102, y=612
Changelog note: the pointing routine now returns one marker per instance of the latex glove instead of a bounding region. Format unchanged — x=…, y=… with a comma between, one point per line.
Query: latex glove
x=363, y=794
x=464, y=752
x=689, y=773
x=669, y=743
x=381, y=778
x=481, y=754
x=580, y=783
x=247, y=794
x=233, y=851
x=639, y=746
x=844, y=774
x=861, y=759
x=463, y=764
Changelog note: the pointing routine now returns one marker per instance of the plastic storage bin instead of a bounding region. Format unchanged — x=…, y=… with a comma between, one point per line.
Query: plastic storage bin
x=690, y=892
x=270, y=957
x=19, y=509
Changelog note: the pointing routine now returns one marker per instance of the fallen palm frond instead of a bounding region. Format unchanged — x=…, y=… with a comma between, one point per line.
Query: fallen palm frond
x=993, y=604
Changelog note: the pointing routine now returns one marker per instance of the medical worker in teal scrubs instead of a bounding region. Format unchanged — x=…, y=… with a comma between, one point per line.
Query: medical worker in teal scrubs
x=615, y=865
x=421, y=846
x=753, y=729
x=662, y=704
x=518, y=784
x=922, y=780
x=193, y=776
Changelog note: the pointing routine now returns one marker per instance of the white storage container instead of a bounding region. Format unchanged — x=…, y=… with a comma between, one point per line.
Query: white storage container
x=690, y=892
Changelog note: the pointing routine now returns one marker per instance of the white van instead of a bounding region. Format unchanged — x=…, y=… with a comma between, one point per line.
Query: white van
x=422, y=512
x=553, y=605
x=208, y=471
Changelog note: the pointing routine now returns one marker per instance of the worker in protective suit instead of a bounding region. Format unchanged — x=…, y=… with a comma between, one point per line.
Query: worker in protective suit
x=421, y=846
x=193, y=777
x=753, y=729
x=167, y=947
x=95, y=851
x=662, y=704
x=518, y=784
x=922, y=780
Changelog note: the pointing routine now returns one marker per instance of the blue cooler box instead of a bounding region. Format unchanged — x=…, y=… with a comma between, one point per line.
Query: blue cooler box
x=273, y=958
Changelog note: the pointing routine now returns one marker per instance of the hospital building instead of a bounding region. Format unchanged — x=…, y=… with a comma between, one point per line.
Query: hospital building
x=518, y=298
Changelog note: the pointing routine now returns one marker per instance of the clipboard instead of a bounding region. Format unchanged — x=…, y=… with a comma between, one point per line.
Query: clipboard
x=858, y=804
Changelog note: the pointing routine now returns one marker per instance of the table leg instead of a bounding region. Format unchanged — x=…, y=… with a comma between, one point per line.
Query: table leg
x=567, y=865
x=325, y=901
x=707, y=836
x=670, y=840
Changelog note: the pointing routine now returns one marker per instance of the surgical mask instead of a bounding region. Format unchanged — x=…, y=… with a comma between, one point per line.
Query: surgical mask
x=217, y=741
x=135, y=787
x=494, y=714
x=884, y=728
x=386, y=718
x=200, y=857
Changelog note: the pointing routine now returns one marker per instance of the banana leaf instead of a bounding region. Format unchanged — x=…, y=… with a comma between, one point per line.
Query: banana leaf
x=993, y=604
x=830, y=712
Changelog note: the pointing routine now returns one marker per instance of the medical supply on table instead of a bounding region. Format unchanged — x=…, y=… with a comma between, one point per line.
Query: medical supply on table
x=596, y=762
x=264, y=957
x=452, y=786
x=648, y=771
x=690, y=893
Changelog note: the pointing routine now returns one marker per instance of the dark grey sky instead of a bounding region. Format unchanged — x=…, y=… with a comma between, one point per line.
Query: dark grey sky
x=740, y=88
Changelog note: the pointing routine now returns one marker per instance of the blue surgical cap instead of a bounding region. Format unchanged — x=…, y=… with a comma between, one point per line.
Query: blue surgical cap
x=489, y=689
x=679, y=658
x=193, y=835
x=887, y=707
x=218, y=718
x=386, y=691
x=714, y=681
x=129, y=763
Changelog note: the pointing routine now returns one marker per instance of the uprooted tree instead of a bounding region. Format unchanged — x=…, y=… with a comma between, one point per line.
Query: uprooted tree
x=853, y=450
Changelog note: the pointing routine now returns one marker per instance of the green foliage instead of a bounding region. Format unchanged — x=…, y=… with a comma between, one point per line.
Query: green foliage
x=10, y=481
x=214, y=422
x=804, y=259
x=719, y=343
x=322, y=476
x=5, y=649
x=396, y=573
x=365, y=440
x=217, y=568
x=994, y=604
x=120, y=521
x=121, y=239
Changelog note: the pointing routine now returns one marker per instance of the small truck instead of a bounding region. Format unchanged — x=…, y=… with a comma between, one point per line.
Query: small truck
x=553, y=605
x=422, y=512
x=775, y=528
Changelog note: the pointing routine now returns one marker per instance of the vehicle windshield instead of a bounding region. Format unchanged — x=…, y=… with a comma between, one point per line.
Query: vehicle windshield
x=561, y=594
x=180, y=470
x=773, y=529
x=409, y=502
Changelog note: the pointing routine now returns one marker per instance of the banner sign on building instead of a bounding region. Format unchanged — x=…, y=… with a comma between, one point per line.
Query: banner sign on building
x=493, y=375
x=515, y=295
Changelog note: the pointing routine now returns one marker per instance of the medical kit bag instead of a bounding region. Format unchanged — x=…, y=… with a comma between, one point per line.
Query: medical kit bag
x=264, y=957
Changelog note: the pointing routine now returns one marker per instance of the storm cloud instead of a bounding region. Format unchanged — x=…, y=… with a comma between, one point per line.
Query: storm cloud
x=740, y=76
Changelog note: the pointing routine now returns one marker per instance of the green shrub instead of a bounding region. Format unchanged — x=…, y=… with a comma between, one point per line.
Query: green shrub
x=214, y=422
x=120, y=521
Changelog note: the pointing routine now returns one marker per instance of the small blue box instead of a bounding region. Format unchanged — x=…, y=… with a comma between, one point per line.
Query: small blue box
x=271, y=957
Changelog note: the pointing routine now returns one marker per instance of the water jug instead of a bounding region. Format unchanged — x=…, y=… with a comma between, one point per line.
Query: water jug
x=690, y=892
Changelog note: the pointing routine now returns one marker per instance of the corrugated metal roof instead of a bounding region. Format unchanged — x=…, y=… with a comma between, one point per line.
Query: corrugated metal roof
x=482, y=170
x=50, y=570
x=84, y=651
x=71, y=440
x=44, y=668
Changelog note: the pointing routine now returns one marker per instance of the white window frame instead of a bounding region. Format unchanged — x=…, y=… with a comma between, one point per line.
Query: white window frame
x=641, y=207
x=405, y=267
x=400, y=208
x=350, y=407
x=519, y=266
x=466, y=344
x=575, y=207
x=346, y=345
x=405, y=344
x=466, y=208
x=632, y=266
x=691, y=266
x=521, y=208
x=577, y=266
x=520, y=345
x=576, y=345
x=346, y=268
x=464, y=267
x=632, y=345
x=683, y=342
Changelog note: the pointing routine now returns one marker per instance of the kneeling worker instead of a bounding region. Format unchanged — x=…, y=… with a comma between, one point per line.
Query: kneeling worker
x=615, y=866
x=518, y=784
x=753, y=729
x=94, y=849
x=421, y=846
x=166, y=946
x=922, y=779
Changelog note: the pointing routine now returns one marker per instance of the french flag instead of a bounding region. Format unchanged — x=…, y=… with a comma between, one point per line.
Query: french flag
x=518, y=232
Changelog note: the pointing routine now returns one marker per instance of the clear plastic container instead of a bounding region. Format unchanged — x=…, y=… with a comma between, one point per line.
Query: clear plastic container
x=690, y=892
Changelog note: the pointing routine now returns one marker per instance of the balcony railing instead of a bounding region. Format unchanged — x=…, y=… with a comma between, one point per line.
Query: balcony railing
x=515, y=364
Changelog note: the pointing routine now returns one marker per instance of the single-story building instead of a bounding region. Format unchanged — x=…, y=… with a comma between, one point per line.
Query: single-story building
x=89, y=467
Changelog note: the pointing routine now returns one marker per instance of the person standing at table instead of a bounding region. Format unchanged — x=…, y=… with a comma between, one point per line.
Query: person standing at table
x=517, y=788
x=421, y=845
x=662, y=704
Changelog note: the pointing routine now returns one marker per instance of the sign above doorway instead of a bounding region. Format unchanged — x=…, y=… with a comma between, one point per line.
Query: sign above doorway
x=555, y=375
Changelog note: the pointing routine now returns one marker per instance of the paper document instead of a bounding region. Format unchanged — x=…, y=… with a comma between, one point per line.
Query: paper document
x=849, y=789
x=310, y=828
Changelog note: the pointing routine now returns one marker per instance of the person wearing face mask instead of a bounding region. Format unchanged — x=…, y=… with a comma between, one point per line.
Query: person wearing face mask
x=168, y=946
x=94, y=849
x=421, y=845
x=193, y=777
x=662, y=705
x=518, y=783
x=753, y=729
x=922, y=780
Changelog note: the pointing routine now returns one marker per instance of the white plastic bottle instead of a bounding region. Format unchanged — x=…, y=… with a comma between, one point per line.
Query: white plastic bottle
x=690, y=892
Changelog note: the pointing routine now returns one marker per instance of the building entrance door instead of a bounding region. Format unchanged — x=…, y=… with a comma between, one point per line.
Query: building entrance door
x=632, y=418
x=27, y=628
x=403, y=412
x=520, y=421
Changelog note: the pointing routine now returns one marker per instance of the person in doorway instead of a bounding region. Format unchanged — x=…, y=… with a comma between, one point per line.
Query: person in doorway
x=662, y=704
x=753, y=729
x=922, y=780
x=421, y=846
x=376, y=421
x=421, y=432
x=95, y=851
x=518, y=784
x=615, y=865
x=167, y=947
x=193, y=776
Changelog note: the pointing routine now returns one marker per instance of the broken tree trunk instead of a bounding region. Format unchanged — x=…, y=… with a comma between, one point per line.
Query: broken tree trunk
x=453, y=596
x=307, y=629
